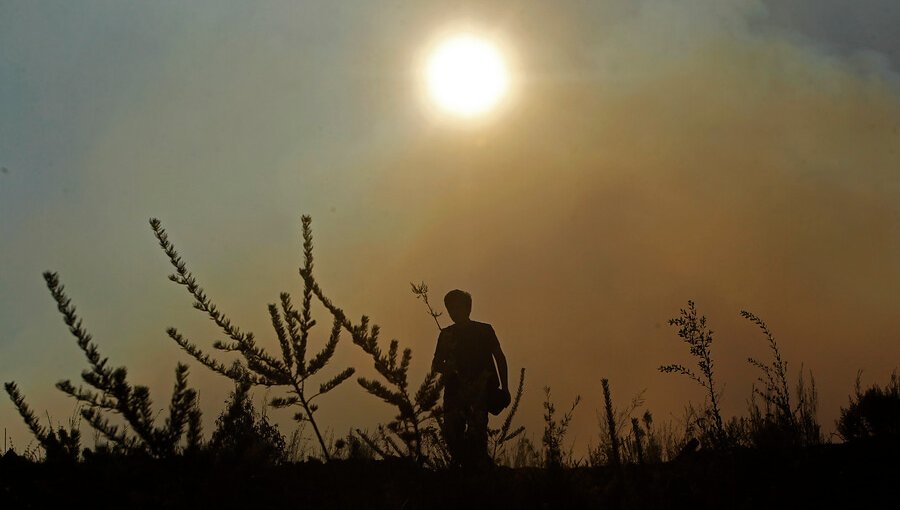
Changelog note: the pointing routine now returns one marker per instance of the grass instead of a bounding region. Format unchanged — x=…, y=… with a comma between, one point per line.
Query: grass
x=555, y=429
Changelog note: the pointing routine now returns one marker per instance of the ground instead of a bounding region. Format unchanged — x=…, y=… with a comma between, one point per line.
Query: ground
x=827, y=476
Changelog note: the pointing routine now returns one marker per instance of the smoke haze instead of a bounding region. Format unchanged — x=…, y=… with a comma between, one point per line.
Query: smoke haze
x=652, y=152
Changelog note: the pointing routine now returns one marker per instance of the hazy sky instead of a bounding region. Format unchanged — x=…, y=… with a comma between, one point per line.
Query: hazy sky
x=744, y=154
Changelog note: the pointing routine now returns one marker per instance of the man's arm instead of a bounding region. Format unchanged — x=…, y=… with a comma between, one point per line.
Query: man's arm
x=439, y=362
x=500, y=359
x=502, y=369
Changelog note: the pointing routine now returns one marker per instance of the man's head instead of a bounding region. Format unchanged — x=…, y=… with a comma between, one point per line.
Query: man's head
x=459, y=305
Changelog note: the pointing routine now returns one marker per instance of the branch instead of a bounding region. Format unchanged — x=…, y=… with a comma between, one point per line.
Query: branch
x=30, y=419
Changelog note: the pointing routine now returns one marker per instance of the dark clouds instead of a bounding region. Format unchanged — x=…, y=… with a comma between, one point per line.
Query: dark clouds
x=846, y=26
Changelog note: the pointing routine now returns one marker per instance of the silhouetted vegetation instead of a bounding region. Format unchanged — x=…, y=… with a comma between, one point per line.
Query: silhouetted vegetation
x=694, y=332
x=416, y=424
x=421, y=292
x=774, y=455
x=555, y=431
x=614, y=449
x=60, y=445
x=498, y=438
x=293, y=372
x=777, y=423
x=112, y=394
x=243, y=434
x=873, y=414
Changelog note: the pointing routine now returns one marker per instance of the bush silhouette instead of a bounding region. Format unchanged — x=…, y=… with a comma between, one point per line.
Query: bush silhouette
x=110, y=394
x=873, y=413
x=61, y=445
x=245, y=435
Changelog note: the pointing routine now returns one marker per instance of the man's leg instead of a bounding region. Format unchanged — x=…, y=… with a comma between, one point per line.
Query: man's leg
x=454, y=429
x=476, y=436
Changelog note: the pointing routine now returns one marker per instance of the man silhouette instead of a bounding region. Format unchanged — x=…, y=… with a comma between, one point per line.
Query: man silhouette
x=465, y=356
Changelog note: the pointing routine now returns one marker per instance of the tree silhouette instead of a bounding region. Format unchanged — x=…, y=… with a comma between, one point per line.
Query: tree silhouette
x=294, y=371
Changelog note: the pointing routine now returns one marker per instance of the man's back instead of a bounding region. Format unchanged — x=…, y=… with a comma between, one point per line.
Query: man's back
x=464, y=354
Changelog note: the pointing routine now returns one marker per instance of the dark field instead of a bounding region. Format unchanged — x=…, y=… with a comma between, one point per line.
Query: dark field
x=826, y=476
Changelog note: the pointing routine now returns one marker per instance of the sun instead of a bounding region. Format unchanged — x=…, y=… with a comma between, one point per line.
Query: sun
x=466, y=75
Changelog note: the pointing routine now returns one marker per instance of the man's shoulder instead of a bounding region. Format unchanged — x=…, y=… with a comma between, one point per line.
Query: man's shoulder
x=483, y=326
x=483, y=330
x=467, y=328
x=468, y=325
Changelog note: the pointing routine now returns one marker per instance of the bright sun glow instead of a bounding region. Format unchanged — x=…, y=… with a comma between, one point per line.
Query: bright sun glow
x=466, y=75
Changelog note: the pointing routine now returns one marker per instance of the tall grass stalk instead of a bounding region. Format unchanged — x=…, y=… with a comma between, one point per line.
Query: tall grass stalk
x=611, y=425
x=555, y=430
x=499, y=437
x=779, y=423
x=693, y=330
